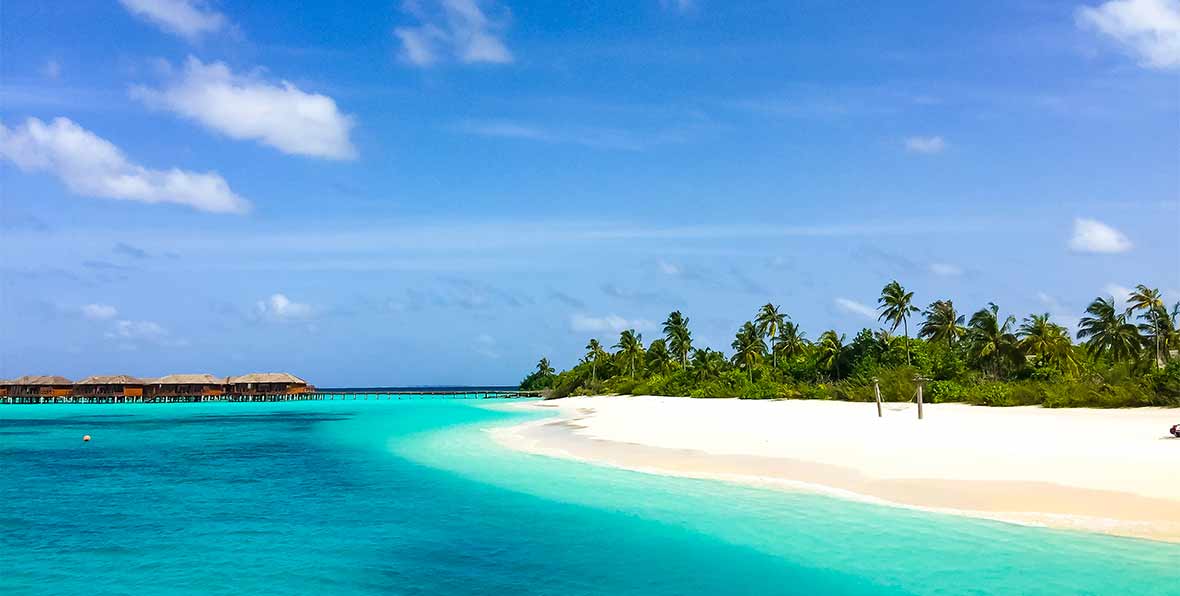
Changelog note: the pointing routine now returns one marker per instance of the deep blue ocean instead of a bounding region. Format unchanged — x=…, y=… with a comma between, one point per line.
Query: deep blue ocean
x=413, y=497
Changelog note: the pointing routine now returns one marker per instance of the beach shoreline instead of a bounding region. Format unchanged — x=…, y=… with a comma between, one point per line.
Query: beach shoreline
x=1106, y=471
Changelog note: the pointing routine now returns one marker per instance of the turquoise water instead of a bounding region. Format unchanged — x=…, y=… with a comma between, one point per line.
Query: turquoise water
x=412, y=497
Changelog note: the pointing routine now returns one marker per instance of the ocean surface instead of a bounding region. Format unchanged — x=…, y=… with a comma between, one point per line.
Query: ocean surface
x=413, y=497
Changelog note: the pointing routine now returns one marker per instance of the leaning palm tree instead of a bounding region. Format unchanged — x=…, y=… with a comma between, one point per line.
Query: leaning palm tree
x=1154, y=312
x=630, y=347
x=1108, y=333
x=896, y=306
x=942, y=323
x=678, y=336
x=748, y=347
x=594, y=351
x=1048, y=343
x=790, y=342
x=991, y=342
x=769, y=324
x=830, y=350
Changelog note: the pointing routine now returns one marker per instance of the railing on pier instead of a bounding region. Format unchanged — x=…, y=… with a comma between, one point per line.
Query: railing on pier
x=317, y=395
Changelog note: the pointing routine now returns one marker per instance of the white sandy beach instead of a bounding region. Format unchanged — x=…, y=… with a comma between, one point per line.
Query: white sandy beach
x=1112, y=471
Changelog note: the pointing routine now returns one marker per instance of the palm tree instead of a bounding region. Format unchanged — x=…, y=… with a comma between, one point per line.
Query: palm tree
x=1108, y=332
x=942, y=323
x=769, y=324
x=831, y=350
x=678, y=336
x=1047, y=342
x=707, y=364
x=790, y=342
x=630, y=346
x=748, y=347
x=658, y=358
x=896, y=305
x=1154, y=314
x=544, y=369
x=594, y=351
x=991, y=342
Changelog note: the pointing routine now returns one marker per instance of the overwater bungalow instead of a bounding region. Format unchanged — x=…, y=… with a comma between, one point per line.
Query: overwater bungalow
x=37, y=388
x=191, y=385
x=109, y=388
x=267, y=384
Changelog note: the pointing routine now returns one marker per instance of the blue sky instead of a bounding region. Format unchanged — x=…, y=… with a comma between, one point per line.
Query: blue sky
x=441, y=191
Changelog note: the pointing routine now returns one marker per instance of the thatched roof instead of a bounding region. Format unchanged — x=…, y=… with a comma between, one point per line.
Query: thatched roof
x=287, y=378
x=41, y=380
x=195, y=379
x=111, y=380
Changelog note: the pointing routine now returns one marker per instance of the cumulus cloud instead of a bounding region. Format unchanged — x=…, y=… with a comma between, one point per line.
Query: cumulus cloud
x=945, y=269
x=246, y=107
x=280, y=308
x=189, y=19
x=92, y=166
x=452, y=30
x=1150, y=29
x=1093, y=236
x=853, y=307
x=99, y=312
x=927, y=145
x=137, y=330
x=612, y=322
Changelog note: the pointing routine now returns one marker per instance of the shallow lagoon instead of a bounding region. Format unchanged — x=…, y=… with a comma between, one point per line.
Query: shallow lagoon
x=412, y=497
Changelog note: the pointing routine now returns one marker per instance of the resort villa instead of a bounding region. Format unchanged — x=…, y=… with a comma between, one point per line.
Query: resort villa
x=123, y=388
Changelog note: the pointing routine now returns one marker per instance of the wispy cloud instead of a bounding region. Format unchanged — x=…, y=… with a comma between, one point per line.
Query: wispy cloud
x=247, y=107
x=52, y=69
x=1093, y=236
x=591, y=324
x=128, y=250
x=453, y=30
x=946, y=269
x=596, y=137
x=190, y=19
x=1150, y=29
x=99, y=312
x=1120, y=293
x=485, y=345
x=927, y=145
x=91, y=166
x=851, y=306
x=681, y=6
x=281, y=308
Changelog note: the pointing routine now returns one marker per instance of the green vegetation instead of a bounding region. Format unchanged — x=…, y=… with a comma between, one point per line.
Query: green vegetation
x=1125, y=358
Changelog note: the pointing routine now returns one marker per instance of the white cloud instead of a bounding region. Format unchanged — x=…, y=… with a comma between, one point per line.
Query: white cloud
x=1148, y=28
x=611, y=322
x=246, y=107
x=452, y=30
x=485, y=345
x=669, y=268
x=928, y=145
x=853, y=307
x=945, y=269
x=189, y=19
x=280, y=308
x=678, y=5
x=52, y=69
x=1093, y=236
x=1121, y=294
x=99, y=312
x=132, y=334
x=91, y=166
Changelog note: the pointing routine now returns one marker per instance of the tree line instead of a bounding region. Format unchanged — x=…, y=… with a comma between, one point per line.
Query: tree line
x=1125, y=356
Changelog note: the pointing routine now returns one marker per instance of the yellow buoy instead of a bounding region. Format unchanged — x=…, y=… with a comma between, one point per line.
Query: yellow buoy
x=85, y=438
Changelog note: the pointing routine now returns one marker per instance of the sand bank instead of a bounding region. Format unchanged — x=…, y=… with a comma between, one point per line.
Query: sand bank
x=1111, y=471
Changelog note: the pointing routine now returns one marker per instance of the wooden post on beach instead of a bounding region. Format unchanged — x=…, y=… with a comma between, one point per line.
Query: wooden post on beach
x=920, y=380
x=877, y=392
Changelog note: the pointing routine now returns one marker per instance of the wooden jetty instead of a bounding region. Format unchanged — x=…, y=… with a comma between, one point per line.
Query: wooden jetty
x=310, y=395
